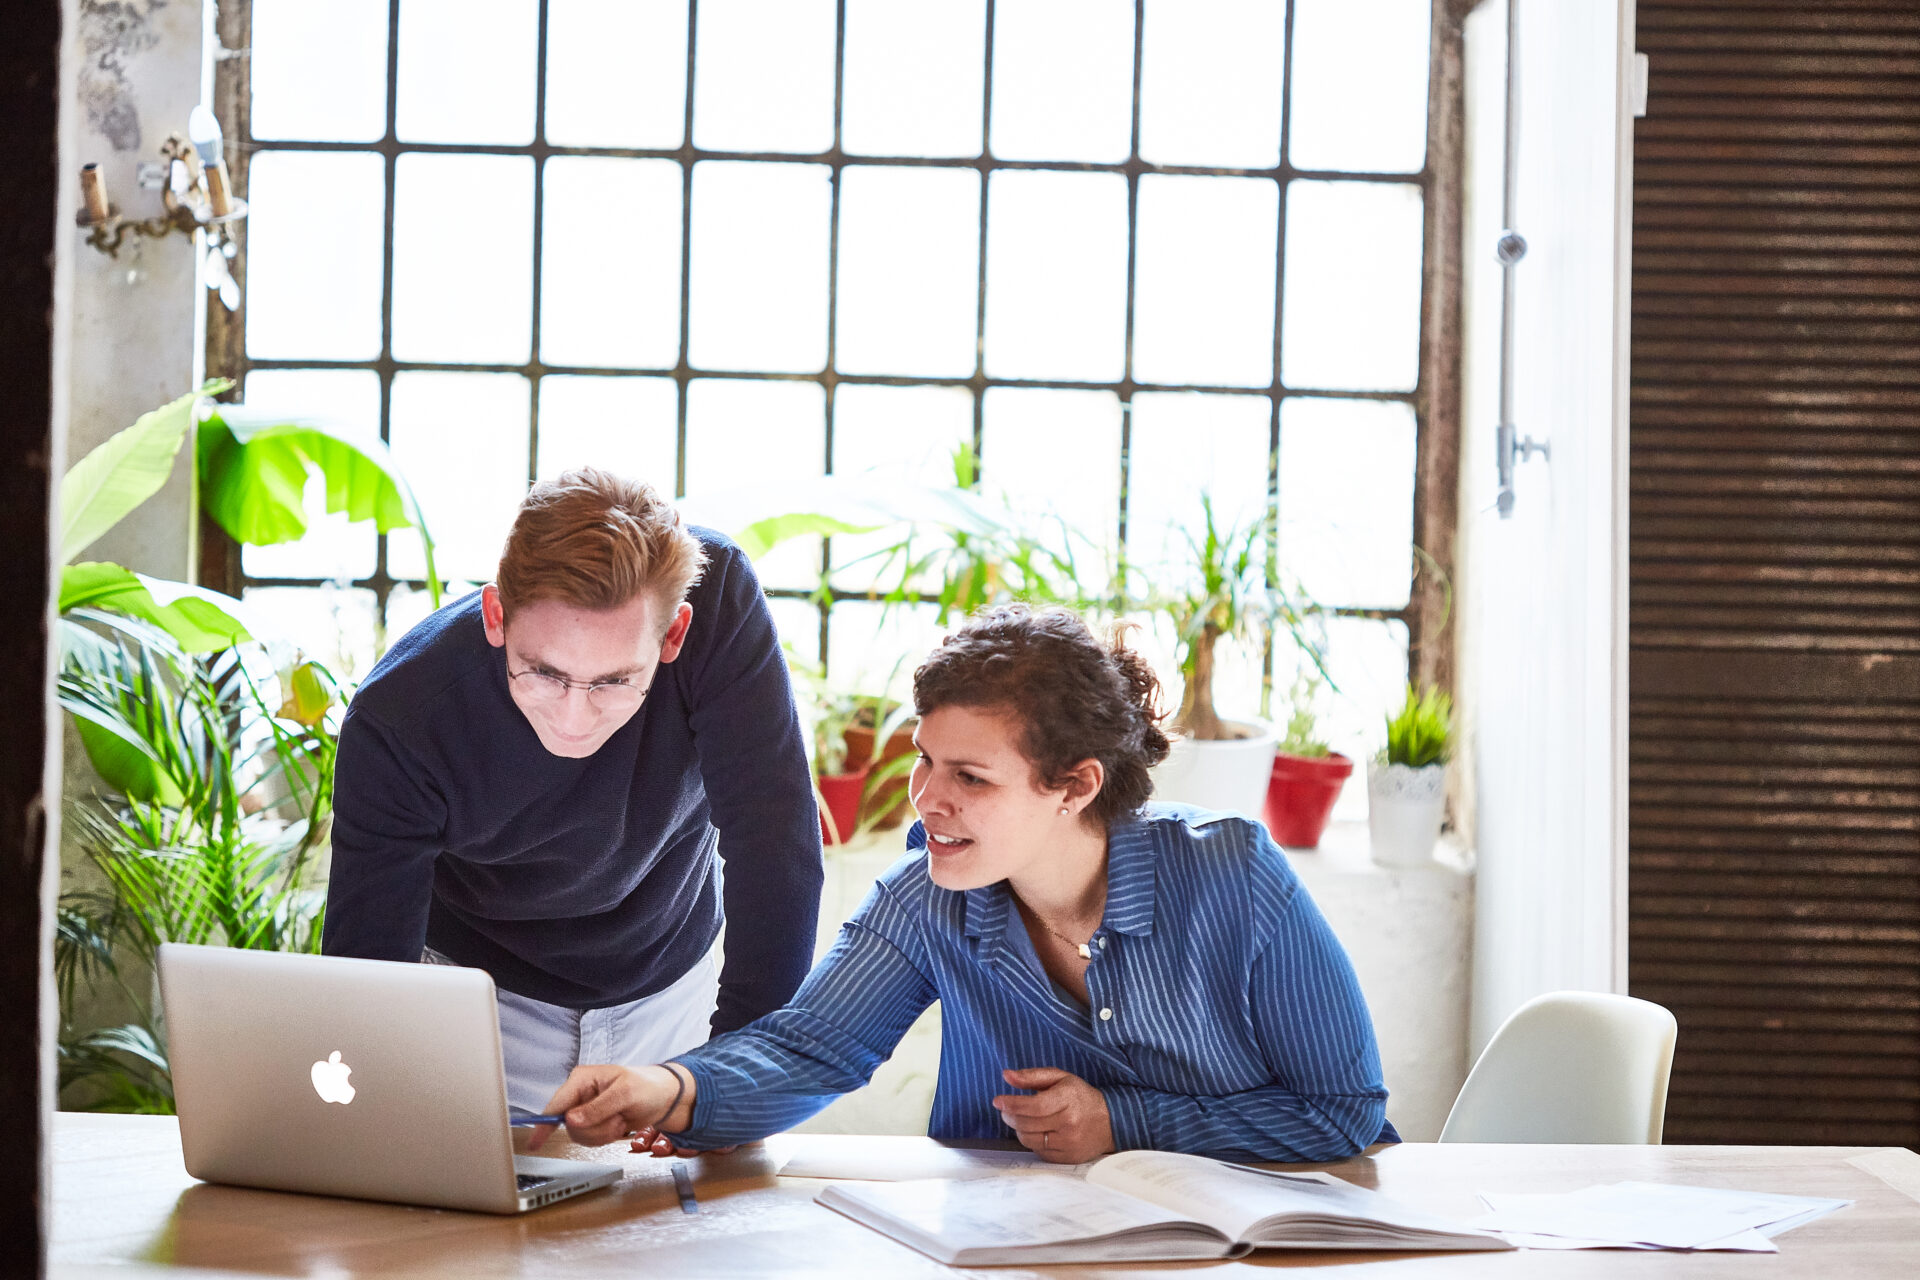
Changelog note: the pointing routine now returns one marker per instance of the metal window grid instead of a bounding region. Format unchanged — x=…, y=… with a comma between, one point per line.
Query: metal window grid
x=227, y=354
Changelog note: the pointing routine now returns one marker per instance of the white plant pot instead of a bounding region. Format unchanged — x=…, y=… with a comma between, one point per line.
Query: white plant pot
x=1405, y=807
x=1231, y=775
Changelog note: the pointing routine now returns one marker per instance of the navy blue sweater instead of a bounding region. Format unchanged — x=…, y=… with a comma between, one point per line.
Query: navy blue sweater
x=589, y=882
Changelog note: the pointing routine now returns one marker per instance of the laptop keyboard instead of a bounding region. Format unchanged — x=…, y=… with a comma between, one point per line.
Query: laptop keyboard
x=528, y=1181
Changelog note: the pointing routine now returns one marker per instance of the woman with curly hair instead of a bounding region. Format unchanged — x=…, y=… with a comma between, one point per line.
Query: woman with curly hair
x=1112, y=974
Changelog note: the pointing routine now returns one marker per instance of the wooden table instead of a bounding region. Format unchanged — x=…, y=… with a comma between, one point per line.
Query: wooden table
x=123, y=1206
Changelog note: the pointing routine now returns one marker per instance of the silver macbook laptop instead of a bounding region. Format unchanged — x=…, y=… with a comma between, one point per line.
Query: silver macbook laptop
x=341, y=1077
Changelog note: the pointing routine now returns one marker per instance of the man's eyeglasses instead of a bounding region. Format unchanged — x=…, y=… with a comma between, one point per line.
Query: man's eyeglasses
x=611, y=696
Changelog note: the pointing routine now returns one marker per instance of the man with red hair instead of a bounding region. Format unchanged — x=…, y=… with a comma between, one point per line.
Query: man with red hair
x=543, y=780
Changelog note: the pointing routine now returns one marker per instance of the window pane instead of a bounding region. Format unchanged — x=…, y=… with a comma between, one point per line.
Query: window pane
x=759, y=436
x=873, y=648
x=1063, y=80
x=349, y=401
x=910, y=433
x=763, y=79
x=914, y=78
x=624, y=425
x=617, y=73
x=909, y=271
x=314, y=243
x=332, y=625
x=1210, y=79
x=466, y=71
x=407, y=607
x=463, y=285
x=911, y=430
x=604, y=301
x=1203, y=310
x=1368, y=661
x=461, y=440
x=1185, y=444
x=1056, y=455
x=1057, y=275
x=798, y=625
x=319, y=71
x=1346, y=499
x=1352, y=286
x=760, y=266
x=1360, y=85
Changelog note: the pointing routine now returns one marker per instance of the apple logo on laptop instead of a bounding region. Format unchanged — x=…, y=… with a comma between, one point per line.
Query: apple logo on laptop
x=330, y=1080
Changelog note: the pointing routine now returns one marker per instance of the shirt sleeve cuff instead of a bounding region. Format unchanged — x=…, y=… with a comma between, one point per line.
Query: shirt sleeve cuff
x=703, y=1095
x=1127, y=1116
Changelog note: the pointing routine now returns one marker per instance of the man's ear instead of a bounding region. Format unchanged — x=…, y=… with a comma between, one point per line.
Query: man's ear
x=494, y=614
x=676, y=636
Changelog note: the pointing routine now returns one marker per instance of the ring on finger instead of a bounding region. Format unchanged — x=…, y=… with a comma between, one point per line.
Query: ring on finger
x=1046, y=1140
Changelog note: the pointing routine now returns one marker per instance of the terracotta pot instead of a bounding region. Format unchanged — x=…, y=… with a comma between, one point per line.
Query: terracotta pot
x=1300, y=796
x=841, y=791
x=892, y=794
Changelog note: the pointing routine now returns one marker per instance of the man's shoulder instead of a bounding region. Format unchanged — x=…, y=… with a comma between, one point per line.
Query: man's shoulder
x=442, y=650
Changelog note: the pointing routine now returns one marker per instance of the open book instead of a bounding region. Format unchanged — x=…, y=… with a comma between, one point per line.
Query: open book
x=1139, y=1206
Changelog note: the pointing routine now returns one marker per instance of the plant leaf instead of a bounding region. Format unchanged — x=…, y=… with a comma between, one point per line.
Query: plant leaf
x=200, y=620
x=254, y=468
x=124, y=471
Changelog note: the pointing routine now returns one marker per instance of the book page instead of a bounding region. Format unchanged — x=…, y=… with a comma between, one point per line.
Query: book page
x=867, y=1163
x=996, y=1213
x=1228, y=1200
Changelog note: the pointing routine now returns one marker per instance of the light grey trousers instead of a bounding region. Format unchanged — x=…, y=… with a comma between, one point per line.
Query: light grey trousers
x=540, y=1043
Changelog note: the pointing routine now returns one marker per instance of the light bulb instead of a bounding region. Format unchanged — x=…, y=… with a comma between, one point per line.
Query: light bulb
x=203, y=130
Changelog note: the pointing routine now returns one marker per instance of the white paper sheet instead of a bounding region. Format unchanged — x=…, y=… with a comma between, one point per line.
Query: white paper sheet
x=1645, y=1214
x=919, y=1162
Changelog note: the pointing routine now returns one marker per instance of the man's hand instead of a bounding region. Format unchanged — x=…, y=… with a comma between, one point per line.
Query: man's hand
x=1066, y=1121
x=605, y=1103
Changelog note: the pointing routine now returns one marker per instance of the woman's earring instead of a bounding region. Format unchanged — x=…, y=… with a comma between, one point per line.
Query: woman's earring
x=1064, y=811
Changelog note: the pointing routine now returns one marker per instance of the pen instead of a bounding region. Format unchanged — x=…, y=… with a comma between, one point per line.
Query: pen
x=519, y=1121
x=683, y=1183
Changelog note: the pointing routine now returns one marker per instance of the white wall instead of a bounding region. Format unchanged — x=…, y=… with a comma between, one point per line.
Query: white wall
x=136, y=319
x=1542, y=642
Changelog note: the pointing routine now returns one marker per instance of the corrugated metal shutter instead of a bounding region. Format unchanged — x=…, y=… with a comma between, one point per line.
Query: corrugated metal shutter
x=1775, y=609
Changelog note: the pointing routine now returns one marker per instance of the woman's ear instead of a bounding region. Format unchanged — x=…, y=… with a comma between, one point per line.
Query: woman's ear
x=1083, y=783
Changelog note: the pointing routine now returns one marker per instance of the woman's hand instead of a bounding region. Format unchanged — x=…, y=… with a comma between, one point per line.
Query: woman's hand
x=1066, y=1121
x=604, y=1103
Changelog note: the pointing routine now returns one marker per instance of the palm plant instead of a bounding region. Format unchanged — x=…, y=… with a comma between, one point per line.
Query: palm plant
x=210, y=835
x=1228, y=588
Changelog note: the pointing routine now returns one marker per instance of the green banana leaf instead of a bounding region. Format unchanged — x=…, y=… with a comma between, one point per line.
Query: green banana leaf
x=253, y=479
x=124, y=471
x=199, y=620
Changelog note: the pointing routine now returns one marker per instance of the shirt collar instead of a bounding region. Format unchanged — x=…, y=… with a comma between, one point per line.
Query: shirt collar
x=1130, y=886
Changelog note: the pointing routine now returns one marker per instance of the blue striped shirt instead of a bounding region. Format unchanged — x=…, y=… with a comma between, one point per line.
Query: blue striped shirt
x=1224, y=1015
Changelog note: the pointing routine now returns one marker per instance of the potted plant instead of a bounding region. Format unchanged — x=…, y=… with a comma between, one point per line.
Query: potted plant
x=1407, y=781
x=1231, y=592
x=880, y=735
x=837, y=784
x=1307, y=775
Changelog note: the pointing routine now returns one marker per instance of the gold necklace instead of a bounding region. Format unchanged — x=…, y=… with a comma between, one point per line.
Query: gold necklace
x=1085, y=949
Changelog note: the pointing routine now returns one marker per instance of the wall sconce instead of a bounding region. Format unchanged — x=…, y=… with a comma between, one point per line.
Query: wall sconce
x=196, y=196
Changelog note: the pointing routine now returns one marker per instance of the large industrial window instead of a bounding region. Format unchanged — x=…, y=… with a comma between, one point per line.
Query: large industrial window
x=1113, y=244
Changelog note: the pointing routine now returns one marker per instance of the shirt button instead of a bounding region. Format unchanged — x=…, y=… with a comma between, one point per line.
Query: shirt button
x=1106, y=1015
x=1103, y=943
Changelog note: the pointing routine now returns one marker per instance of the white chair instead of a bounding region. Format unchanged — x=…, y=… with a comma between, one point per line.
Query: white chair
x=1570, y=1066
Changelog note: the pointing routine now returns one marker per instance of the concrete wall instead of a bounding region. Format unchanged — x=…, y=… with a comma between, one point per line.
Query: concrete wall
x=136, y=319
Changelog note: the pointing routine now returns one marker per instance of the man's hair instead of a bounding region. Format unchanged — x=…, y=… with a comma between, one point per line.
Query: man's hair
x=595, y=541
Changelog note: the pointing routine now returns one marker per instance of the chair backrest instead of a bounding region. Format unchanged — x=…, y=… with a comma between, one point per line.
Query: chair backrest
x=1570, y=1066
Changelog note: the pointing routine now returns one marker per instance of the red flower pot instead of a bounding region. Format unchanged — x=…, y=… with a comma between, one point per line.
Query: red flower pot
x=841, y=792
x=1300, y=796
